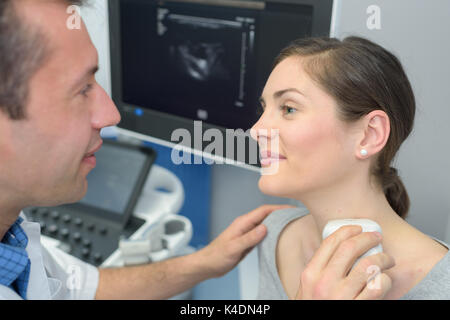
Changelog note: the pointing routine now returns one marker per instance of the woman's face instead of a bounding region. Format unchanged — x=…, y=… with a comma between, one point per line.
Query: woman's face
x=315, y=149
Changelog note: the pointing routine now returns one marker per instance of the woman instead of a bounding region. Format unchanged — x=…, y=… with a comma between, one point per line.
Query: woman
x=338, y=112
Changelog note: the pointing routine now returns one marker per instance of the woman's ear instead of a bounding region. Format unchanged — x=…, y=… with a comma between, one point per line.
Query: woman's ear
x=376, y=126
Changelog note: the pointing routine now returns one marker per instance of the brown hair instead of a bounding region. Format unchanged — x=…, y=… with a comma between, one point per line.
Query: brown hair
x=362, y=76
x=22, y=52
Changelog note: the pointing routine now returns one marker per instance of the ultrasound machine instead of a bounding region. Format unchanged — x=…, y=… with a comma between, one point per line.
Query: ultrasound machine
x=173, y=63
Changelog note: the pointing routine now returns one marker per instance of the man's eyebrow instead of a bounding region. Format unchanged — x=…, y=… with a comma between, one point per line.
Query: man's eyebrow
x=90, y=72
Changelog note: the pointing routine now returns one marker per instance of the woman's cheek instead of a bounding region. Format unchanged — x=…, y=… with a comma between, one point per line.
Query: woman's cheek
x=308, y=141
x=312, y=151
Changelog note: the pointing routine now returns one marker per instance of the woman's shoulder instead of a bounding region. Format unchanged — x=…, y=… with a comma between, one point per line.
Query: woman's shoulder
x=287, y=226
x=435, y=285
x=296, y=243
x=279, y=218
x=278, y=224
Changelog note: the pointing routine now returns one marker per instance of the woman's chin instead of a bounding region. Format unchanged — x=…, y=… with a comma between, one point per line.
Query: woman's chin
x=269, y=186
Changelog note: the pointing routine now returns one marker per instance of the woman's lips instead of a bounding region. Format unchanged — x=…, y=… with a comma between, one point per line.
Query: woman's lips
x=267, y=158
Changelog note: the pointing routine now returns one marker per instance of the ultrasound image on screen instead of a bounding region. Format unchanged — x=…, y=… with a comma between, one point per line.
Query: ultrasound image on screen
x=192, y=63
x=111, y=183
x=202, y=59
x=196, y=57
x=202, y=70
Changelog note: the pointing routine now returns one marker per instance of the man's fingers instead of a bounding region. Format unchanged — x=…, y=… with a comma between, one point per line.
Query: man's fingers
x=246, y=242
x=247, y=231
x=351, y=249
x=330, y=244
x=299, y=294
x=369, y=266
x=250, y=220
x=259, y=214
x=366, y=270
x=376, y=288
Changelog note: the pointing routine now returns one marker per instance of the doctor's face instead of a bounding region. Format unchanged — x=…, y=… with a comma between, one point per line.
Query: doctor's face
x=47, y=153
x=315, y=148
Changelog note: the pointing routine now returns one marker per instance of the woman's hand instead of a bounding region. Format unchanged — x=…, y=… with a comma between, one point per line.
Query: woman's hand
x=329, y=274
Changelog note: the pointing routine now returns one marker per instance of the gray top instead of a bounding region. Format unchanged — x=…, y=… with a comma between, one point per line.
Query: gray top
x=435, y=285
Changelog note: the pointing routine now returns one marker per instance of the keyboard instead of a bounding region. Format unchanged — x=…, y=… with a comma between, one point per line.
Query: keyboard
x=91, y=239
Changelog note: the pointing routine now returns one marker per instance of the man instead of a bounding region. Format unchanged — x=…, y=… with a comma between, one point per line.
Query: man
x=51, y=114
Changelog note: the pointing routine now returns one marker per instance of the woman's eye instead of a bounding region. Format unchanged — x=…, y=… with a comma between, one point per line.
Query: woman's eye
x=259, y=110
x=287, y=109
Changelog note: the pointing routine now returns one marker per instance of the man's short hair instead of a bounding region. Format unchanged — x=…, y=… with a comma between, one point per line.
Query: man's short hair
x=22, y=51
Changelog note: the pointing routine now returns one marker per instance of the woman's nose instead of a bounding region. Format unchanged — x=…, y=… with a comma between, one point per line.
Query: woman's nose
x=264, y=128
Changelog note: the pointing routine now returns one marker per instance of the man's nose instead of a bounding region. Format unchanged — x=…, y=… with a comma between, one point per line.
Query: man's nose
x=107, y=114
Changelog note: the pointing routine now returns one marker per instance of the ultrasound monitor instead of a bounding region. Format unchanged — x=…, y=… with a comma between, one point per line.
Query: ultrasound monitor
x=116, y=183
x=178, y=64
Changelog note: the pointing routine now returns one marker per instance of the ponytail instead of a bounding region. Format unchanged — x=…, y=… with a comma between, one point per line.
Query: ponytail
x=395, y=192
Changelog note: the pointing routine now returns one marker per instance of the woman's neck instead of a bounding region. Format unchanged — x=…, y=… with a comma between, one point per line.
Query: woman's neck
x=356, y=198
x=359, y=200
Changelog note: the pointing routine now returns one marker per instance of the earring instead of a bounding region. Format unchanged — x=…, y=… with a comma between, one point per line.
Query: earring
x=363, y=152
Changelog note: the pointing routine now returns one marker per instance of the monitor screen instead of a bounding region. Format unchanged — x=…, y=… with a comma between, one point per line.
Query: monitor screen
x=176, y=64
x=113, y=181
x=117, y=181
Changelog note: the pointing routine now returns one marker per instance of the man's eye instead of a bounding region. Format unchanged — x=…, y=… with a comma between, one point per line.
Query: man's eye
x=86, y=90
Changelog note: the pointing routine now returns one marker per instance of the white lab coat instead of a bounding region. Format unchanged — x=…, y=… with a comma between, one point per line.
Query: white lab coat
x=54, y=274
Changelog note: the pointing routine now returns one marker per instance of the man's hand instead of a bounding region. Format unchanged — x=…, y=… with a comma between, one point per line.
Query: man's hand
x=329, y=275
x=164, y=279
x=233, y=244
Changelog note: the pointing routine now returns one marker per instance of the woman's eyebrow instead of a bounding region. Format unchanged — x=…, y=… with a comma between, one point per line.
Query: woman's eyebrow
x=278, y=94
x=261, y=100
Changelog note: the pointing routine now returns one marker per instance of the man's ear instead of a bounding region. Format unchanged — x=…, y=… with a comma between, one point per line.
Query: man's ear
x=376, y=126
